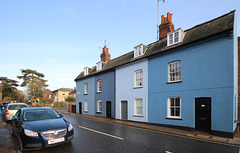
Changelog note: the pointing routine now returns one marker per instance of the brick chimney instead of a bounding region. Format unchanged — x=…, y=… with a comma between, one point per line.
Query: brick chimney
x=165, y=26
x=105, y=56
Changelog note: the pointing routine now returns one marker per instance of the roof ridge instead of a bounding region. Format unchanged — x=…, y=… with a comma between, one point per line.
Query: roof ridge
x=121, y=56
x=210, y=20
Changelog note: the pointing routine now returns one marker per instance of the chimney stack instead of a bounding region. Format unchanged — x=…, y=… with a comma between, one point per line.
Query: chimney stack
x=165, y=26
x=105, y=56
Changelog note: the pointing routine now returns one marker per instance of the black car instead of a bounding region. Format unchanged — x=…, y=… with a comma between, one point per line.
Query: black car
x=40, y=127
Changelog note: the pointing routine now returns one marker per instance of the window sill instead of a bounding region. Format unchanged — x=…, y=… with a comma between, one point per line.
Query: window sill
x=137, y=87
x=99, y=112
x=85, y=94
x=172, y=118
x=85, y=111
x=138, y=116
x=98, y=92
x=174, y=82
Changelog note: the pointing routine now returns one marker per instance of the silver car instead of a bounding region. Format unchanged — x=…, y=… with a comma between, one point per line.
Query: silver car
x=12, y=108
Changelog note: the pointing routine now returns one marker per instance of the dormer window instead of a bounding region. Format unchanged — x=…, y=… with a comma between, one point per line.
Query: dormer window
x=139, y=50
x=175, y=37
x=86, y=70
x=100, y=65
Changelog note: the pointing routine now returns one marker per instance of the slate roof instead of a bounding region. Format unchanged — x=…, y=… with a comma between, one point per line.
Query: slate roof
x=198, y=32
x=63, y=89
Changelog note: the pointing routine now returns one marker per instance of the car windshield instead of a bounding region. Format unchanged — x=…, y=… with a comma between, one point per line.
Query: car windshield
x=40, y=114
x=16, y=107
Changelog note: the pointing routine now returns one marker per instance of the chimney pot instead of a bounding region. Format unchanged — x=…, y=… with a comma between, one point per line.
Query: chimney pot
x=164, y=28
x=105, y=56
x=162, y=21
x=168, y=16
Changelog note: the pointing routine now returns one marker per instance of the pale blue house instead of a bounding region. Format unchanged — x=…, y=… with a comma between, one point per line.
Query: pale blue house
x=132, y=91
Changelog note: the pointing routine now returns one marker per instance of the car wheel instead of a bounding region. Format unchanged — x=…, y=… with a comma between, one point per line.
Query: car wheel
x=20, y=146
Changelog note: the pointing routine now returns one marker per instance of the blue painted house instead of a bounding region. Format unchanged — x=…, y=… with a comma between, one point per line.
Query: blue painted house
x=193, y=77
x=85, y=95
x=186, y=79
x=95, y=89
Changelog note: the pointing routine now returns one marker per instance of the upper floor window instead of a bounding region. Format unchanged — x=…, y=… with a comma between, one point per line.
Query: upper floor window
x=174, y=70
x=175, y=37
x=139, y=50
x=99, y=86
x=138, y=81
x=174, y=107
x=86, y=88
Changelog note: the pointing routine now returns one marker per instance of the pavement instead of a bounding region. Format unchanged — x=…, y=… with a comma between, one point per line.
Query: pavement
x=8, y=145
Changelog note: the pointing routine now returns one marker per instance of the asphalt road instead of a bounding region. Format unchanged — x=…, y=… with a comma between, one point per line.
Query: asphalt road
x=98, y=137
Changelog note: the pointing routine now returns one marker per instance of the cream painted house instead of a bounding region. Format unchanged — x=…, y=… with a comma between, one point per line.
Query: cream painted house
x=61, y=94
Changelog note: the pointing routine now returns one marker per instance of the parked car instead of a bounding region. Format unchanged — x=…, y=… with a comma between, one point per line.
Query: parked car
x=4, y=106
x=40, y=127
x=12, y=108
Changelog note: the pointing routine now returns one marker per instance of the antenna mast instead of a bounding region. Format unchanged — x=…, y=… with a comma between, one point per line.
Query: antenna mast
x=158, y=17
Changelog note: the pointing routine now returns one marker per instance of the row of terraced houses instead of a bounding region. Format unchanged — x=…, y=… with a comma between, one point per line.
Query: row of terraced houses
x=186, y=79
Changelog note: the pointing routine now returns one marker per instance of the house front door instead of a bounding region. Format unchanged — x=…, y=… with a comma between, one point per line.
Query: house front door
x=108, y=109
x=80, y=108
x=124, y=112
x=203, y=114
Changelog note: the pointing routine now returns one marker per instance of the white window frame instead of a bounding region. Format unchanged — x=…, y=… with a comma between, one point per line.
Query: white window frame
x=99, y=65
x=175, y=37
x=138, y=78
x=99, y=87
x=174, y=71
x=86, y=70
x=174, y=107
x=139, y=50
x=86, y=88
x=99, y=106
x=85, y=106
x=138, y=107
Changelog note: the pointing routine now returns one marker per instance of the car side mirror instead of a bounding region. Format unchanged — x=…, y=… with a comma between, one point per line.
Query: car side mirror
x=61, y=115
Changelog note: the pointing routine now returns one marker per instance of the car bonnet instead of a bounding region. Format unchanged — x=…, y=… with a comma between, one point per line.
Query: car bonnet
x=45, y=125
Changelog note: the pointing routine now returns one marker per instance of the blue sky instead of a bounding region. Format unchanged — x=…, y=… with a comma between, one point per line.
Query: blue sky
x=60, y=37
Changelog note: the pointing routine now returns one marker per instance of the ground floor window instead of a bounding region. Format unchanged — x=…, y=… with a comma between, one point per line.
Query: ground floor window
x=99, y=106
x=174, y=107
x=138, y=109
x=86, y=106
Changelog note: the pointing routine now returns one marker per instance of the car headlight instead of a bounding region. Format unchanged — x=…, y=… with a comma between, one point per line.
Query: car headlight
x=30, y=133
x=70, y=127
